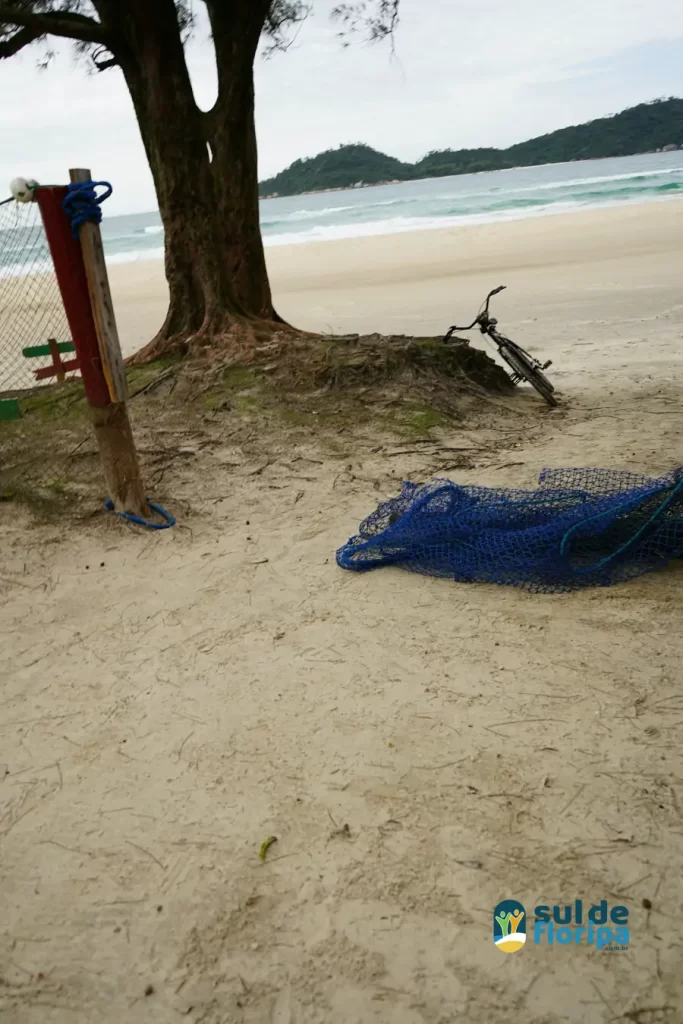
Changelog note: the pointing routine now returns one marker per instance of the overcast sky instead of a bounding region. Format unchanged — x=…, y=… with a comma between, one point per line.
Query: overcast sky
x=465, y=73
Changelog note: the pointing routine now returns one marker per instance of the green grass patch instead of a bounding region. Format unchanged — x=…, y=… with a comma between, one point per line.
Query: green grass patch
x=240, y=377
x=420, y=417
x=66, y=402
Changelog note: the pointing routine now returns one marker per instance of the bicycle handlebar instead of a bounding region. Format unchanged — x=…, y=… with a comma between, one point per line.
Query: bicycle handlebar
x=455, y=327
x=500, y=288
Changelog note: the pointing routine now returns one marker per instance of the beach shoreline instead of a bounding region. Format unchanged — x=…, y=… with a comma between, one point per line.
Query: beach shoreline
x=585, y=263
x=561, y=272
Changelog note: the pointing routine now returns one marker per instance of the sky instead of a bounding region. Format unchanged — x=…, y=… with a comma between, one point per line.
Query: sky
x=464, y=73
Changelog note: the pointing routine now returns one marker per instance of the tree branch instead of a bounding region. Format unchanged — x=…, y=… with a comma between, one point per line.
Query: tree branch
x=24, y=37
x=377, y=18
x=103, y=63
x=236, y=28
x=283, y=15
x=51, y=23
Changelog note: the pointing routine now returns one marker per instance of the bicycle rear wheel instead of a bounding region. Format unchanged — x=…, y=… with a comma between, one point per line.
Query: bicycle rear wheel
x=524, y=368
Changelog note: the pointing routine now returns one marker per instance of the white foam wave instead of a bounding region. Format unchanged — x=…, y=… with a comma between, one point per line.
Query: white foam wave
x=603, y=180
x=154, y=229
x=136, y=256
x=298, y=215
x=501, y=192
x=389, y=226
x=400, y=225
x=463, y=195
x=383, y=226
x=305, y=214
x=41, y=266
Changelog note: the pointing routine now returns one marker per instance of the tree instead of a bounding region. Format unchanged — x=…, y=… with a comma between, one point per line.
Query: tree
x=204, y=164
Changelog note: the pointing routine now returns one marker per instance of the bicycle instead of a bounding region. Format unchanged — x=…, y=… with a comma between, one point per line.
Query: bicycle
x=522, y=364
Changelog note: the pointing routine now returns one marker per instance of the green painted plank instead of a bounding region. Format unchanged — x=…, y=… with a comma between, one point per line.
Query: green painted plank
x=44, y=350
x=9, y=409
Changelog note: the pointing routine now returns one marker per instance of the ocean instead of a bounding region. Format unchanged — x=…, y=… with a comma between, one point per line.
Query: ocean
x=434, y=203
x=419, y=205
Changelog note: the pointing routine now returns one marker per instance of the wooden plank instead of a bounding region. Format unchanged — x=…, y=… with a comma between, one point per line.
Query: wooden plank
x=101, y=301
x=33, y=351
x=59, y=371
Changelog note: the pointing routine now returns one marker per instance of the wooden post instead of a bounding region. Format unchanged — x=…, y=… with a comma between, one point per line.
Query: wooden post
x=112, y=425
x=84, y=285
x=100, y=301
x=119, y=459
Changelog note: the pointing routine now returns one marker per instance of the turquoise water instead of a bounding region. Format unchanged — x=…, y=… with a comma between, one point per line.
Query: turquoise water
x=436, y=202
x=431, y=203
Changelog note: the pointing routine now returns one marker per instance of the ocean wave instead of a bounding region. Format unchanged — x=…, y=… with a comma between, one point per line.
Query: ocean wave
x=569, y=183
x=475, y=208
x=626, y=191
x=441, y=203
x=306, y=214
x=574, y=182
x=43, y=265
x=401, y=225
x=391, y=226
x=299, y=215
x=464, y=201
x=135, y=255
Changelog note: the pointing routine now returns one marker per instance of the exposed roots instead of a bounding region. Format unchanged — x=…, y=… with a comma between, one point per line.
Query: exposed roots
x=342, y=363
x=235, y=340
x=299, y=361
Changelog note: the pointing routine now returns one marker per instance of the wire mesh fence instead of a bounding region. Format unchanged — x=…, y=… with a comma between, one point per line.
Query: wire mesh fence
x=31, y=309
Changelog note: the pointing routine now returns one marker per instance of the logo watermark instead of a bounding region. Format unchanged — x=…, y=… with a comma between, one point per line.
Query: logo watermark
x=509, y=926
x=600, y=925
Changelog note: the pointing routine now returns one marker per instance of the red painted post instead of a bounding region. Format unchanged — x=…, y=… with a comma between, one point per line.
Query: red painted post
x=109, y=417
x=73, y=284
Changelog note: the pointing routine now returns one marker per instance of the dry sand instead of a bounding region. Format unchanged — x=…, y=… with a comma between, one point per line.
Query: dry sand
x=171, y=700
x=565, y=274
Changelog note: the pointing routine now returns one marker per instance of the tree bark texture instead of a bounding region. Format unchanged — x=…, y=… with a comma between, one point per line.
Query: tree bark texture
x=204, y=164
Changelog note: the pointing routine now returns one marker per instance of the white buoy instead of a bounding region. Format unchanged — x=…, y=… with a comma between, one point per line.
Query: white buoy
x=22, y=189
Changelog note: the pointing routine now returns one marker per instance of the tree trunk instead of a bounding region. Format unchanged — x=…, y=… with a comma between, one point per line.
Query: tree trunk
x=204, y=167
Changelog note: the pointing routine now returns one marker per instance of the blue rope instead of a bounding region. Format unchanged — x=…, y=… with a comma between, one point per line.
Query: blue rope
x=631, y=541
x=129, y=517
x=82, y=203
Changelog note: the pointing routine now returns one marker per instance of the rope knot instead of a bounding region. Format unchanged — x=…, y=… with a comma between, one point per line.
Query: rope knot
x=82, y=203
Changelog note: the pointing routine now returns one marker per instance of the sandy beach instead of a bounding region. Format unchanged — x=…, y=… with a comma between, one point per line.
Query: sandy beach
x=421, y=749
x=562, y=272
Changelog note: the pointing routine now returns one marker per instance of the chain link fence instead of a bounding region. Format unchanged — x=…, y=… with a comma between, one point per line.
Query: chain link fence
x=31, y=308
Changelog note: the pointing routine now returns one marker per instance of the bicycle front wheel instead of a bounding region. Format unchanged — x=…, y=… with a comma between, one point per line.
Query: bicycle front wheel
x=524, y=368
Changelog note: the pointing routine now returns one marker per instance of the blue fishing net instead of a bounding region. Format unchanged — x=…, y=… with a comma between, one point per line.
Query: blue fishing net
x=579, y=528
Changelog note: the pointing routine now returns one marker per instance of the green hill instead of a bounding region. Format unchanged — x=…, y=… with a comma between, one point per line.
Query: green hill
x=642, y=129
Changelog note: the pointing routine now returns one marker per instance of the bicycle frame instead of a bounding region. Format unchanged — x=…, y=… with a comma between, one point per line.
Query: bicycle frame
x=487, y=325
x=522, y=364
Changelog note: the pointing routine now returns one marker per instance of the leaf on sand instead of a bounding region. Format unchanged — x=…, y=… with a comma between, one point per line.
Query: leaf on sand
x=265, y=846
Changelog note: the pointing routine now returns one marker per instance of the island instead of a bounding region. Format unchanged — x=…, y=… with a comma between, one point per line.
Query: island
x=647, y=128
